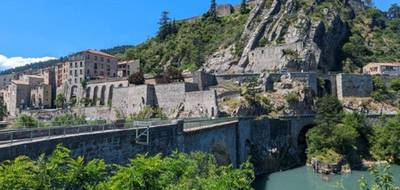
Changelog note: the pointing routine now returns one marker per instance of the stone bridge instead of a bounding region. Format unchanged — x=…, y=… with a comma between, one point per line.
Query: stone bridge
x=271, y=144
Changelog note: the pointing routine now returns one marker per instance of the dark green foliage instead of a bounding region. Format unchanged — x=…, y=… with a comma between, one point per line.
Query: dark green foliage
x=3, y=109
x=25, y=121
x=385, y=140
x=212, y=12
x=188, y=49
x=394, y=11
x=292, y=98
x=345, y=137
x=166, y=26
x=148, y=112
x=60, y=101
x=178, y=171
x=329, y=111
x=243, y=7
x=68, y=120
x=374, y=37
x=383, y=179
x=136, y=78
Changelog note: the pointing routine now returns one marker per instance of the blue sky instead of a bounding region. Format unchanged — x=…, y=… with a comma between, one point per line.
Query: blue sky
x=39, y=28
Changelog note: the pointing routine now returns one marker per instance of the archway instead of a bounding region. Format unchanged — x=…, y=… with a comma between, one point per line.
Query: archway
x=302, y=142
x=103, y=95
x=328, y=87
x=96, y=89
x=88, y=93
x=74, y=92
x=110, y=93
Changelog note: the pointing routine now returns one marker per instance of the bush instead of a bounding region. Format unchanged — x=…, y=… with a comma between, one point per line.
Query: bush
x=385, y=140
x=25, y=121
x=292, y=98
x=178, y=171
x=68, y=119
x=148, y=112
x=136, y=78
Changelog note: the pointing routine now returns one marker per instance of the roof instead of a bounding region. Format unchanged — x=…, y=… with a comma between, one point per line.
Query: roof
x=391, y=64
x=99, y=53
x=129, y=62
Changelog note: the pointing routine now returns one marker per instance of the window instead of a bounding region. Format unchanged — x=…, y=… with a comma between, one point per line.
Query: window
x=80, y=71
x=95, y=65
x=70, y=72
x=102, y=66
x=81, y=64
x=70, y=64
x=108, y=60
x=80, y=79
x=95, y=58
x=76, y=64
x=76, y=72
x=76, y=80
x=87, y=72
x=88, y=56
x=101, y=59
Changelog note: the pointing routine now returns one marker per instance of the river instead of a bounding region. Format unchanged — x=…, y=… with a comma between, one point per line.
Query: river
x=303, y=178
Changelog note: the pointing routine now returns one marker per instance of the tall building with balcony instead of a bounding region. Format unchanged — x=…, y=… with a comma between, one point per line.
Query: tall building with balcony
x=84, y=66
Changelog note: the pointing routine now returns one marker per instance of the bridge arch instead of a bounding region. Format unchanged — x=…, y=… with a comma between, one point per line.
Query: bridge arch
x=302, y=141
x=103, y=95
x=96, y=89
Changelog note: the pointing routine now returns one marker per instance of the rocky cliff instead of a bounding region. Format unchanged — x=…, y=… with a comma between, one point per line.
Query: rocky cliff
x=290, y=35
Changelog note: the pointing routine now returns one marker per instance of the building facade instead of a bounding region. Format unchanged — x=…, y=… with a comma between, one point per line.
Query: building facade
x=6, y=79
x=126, y=68
x=84, y=66
x=392, y=69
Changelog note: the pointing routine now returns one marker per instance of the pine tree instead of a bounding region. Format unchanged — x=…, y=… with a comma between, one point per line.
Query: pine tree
x=212, y=12
x=165, y=25
x=243, y=7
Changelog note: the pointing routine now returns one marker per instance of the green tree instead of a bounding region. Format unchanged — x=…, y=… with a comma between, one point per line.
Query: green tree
x=385, y=140
x=394, y=11
x=243, y=7
x=136, y=78
x=383, y=179
x=212, y=12
x=177, y=171
x=165, y=25
x=329, y=111
x=3, y=109
x=60, y=101
x=68, y=120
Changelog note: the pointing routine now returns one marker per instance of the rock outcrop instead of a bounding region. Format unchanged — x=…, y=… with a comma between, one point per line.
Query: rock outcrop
x=292, y=35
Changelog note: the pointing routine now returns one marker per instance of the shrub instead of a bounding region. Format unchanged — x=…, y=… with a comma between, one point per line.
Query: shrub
x=292, y=98
x=25, y=121
x=68, y=119
x=136, y=78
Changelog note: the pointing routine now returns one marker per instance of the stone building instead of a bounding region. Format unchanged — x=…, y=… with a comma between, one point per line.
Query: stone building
x=30, y=91
x=5, y=80
x=100, y=92
x=391, y=69
x=126, y=68
x=353, y=85
x=175, y=99
x=84, y=66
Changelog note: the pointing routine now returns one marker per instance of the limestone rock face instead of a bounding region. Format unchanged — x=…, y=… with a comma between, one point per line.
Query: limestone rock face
x=288, y=35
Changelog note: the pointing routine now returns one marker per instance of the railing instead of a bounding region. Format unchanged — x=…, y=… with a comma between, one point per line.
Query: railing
x=13, y=136
x=200, y=122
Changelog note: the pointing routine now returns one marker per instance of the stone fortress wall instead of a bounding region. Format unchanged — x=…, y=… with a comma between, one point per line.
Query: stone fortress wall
x=353, y=85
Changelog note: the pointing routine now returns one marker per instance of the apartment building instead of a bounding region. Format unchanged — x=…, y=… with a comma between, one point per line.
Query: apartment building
x=84, y=66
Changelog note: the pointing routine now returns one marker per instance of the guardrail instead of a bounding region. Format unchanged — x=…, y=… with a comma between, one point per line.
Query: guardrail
x=200, y=122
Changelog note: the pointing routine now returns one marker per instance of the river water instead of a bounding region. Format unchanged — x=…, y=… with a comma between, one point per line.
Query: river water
x=304, y=178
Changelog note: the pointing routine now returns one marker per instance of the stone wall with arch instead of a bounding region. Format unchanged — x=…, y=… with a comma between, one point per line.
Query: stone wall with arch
x=103, y=91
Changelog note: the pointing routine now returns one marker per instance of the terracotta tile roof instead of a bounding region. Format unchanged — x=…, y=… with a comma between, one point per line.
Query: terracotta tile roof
x=91, y=51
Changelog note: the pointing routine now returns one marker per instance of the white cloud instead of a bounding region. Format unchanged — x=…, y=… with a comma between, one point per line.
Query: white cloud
x=11, y=62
